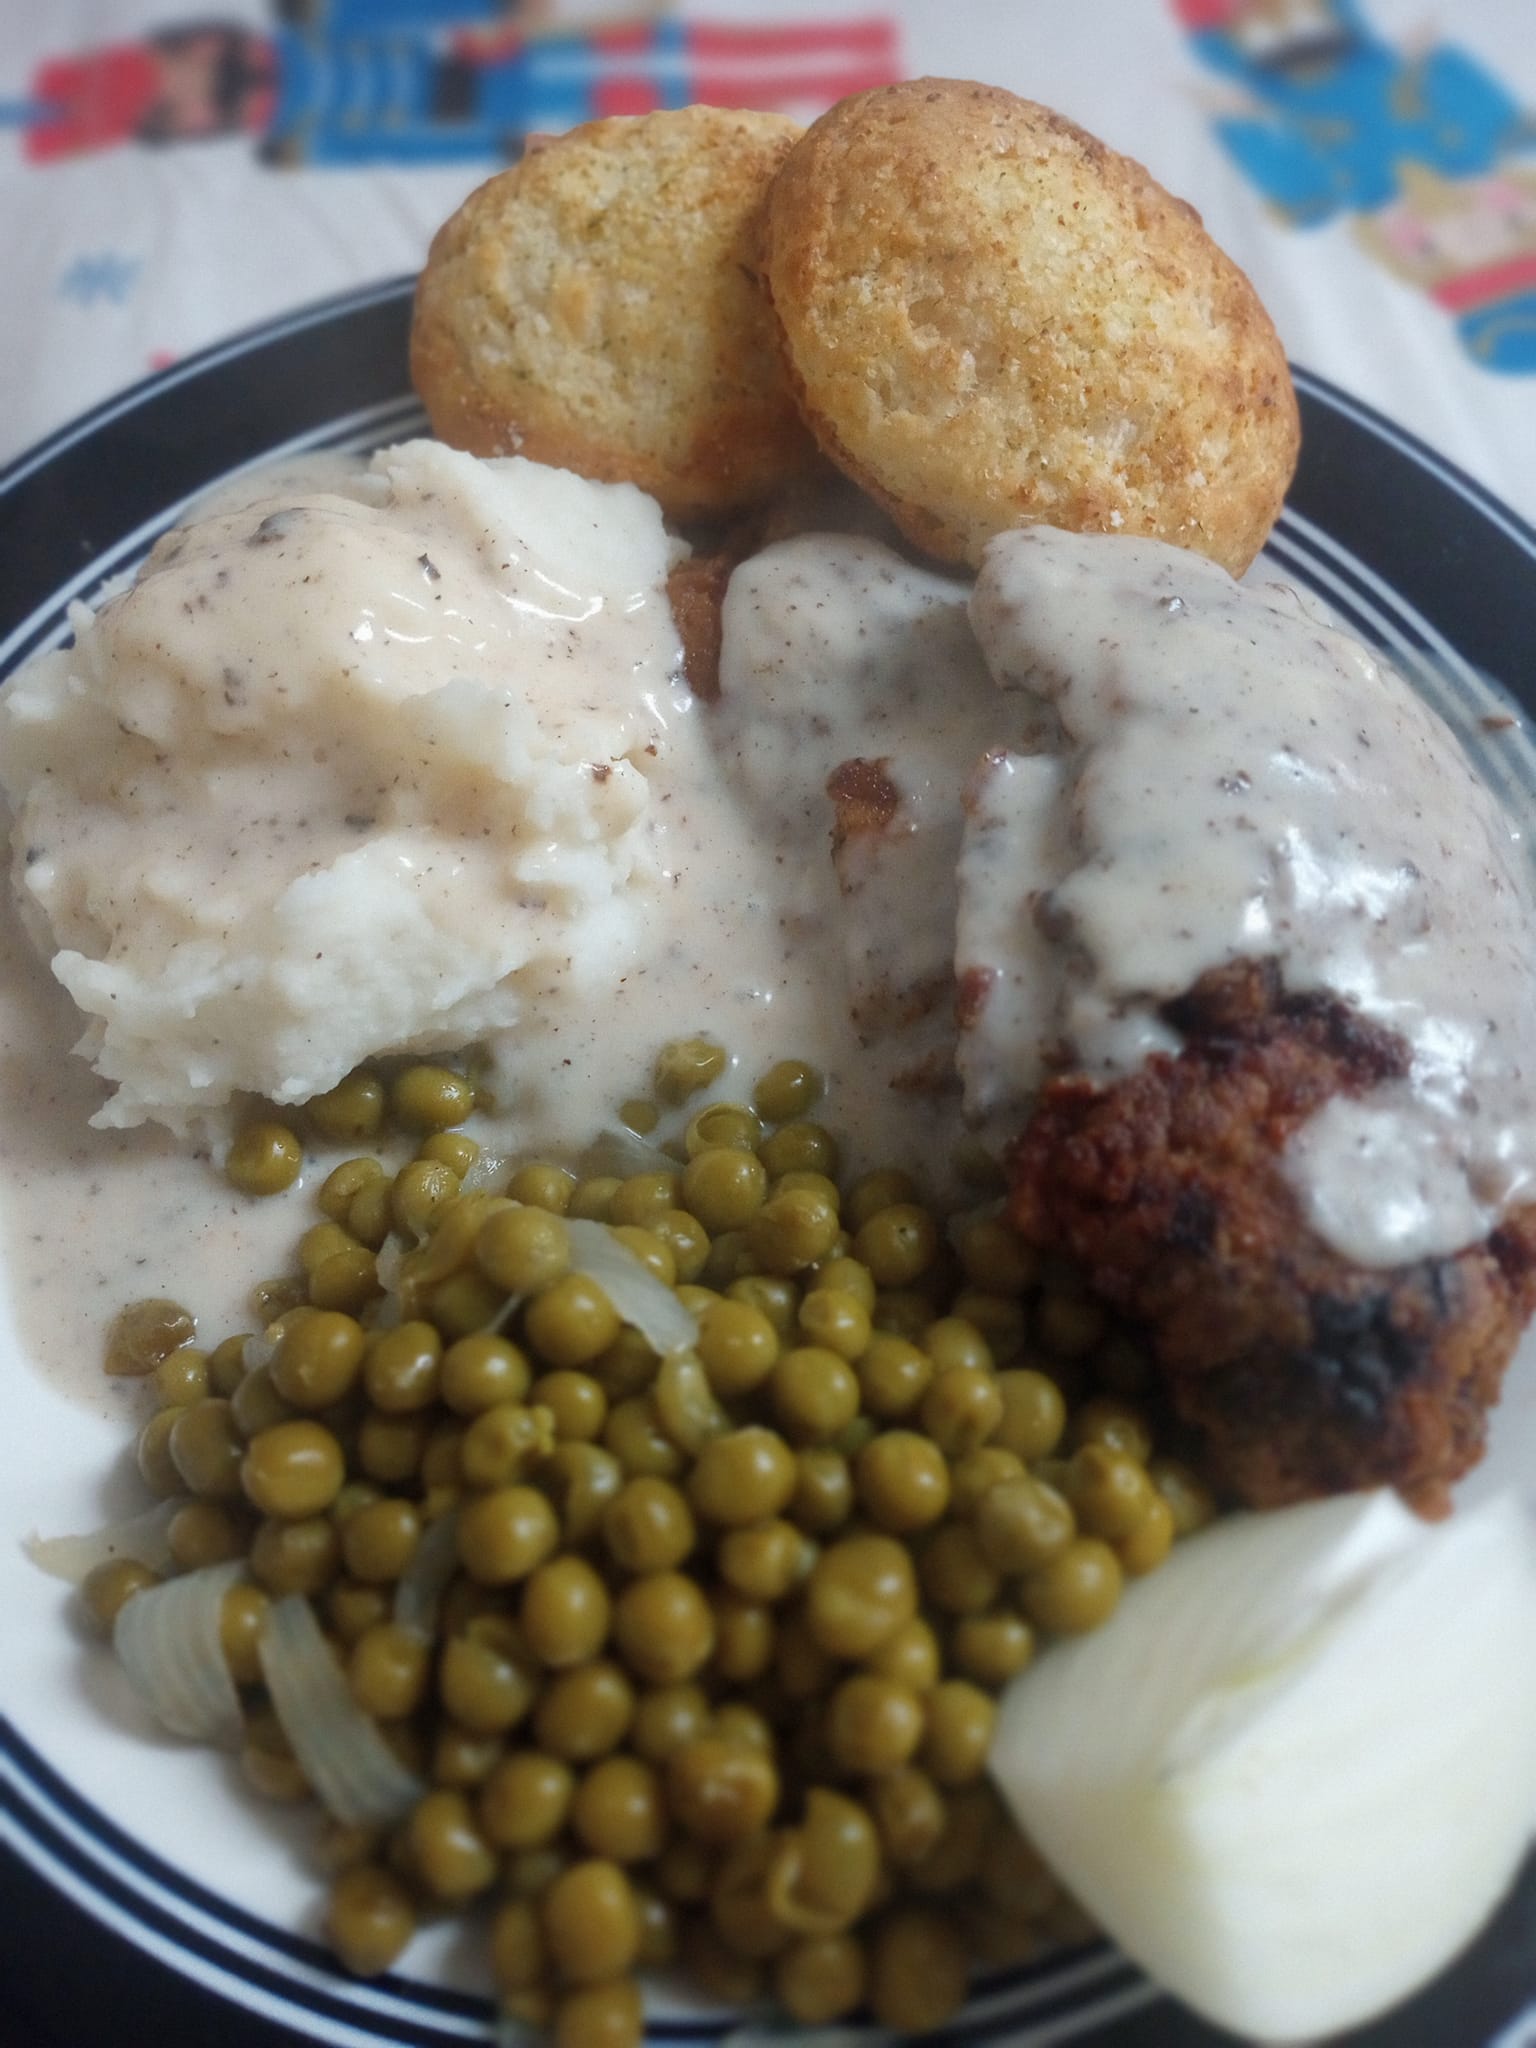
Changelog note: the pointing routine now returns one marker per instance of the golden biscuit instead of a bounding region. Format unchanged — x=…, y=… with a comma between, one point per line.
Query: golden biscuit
x=992, y=319
x=595, y=307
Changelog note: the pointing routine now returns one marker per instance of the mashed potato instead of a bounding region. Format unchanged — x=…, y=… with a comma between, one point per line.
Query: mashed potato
x=347, y=770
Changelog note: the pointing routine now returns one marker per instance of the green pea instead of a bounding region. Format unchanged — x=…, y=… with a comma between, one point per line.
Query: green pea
x=428, y=1098
x=264, y=1159
x=353, y=1109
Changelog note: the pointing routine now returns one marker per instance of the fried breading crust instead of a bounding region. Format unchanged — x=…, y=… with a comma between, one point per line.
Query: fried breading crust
x=595, y=307
x=990, y=319
x=1305, y=1374
x=696, y=592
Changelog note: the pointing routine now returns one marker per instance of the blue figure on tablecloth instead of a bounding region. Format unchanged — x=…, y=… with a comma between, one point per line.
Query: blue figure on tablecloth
x=349, y=82
x=1420, y=148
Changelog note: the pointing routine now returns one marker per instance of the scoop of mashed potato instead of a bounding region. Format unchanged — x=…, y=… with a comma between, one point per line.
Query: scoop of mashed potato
x=346, y=770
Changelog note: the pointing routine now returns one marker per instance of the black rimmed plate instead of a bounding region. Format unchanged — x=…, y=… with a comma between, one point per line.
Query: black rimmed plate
x=140, y=1899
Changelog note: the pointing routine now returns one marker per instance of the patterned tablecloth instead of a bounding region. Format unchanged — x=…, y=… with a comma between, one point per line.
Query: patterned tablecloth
x=175, y=170
x=171, y=172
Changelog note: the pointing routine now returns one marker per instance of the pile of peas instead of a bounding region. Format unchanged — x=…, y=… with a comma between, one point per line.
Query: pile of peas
x=713, y=1684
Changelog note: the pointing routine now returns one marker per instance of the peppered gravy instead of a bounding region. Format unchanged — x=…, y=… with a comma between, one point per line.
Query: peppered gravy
x=1230, y=777
x=1068, y=793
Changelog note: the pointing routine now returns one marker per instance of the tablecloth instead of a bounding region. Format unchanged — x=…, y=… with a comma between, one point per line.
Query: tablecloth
x=174, y=170
x=169, y=174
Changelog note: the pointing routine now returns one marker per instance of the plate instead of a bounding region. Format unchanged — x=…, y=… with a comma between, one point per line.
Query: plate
x=125, y=1914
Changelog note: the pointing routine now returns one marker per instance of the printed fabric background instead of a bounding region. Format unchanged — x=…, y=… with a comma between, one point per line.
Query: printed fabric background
x=174, y=171
x=170, y=174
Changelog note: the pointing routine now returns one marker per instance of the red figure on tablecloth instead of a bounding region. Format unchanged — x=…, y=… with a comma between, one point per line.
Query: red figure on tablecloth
x=428, y=81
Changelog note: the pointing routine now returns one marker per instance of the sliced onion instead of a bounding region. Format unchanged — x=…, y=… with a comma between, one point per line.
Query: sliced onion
x=504, y=1315
x=425, y=1579
x=258, y=1351
x=485, y=1174
x=168, y=1640
x=355, y=1774
x=387, y=1312
x=384, y=1312
x=685, y=1403
x=391, y=1257
x=638, y=1297
x=141, y=1537
x=1298, y=1770
x=624, y=1152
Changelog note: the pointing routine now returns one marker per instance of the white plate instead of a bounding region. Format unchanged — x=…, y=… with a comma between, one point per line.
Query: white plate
x=152, y=1839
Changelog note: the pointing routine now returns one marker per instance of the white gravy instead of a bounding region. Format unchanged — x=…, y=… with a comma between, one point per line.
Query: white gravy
x=835, y=648
x=747, y=931
x=93, y=1219
x=1185, y=771
x=1234, y=778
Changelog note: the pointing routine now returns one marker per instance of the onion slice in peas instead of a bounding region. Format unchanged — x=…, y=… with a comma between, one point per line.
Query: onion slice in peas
x=142, y=1537
x=388, y=1261
x=421, y=1586
x=258, y=1350
x=355, y=1774
x=624, y=1152
x=635, y=1293
x=168, y=1641
x=485, y=1174
x=387, y=1312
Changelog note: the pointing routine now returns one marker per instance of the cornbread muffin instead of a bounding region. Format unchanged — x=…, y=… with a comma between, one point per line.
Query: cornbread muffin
x=991, y=319
x=595, y=308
